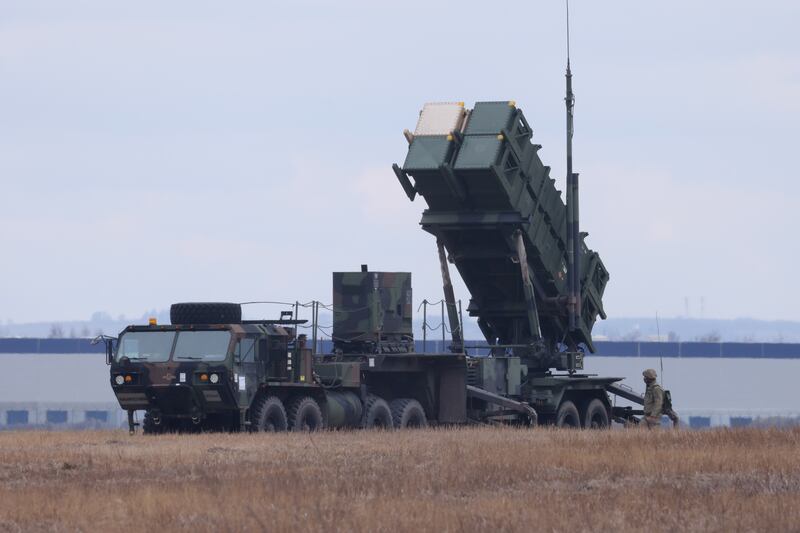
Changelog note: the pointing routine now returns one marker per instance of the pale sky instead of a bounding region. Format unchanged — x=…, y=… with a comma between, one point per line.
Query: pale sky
x=153, y=152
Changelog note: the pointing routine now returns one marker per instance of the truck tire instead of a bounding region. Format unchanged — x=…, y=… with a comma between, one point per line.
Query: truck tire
x=408, y=413
x=595, y=415
x=269, y=415
x=567, y=416
x=528, y=421
x=377, y=413
x=149, y=426
x=205, y=313
x=305, y=415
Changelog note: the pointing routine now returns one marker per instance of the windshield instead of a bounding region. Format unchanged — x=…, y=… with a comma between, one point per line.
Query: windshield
x=202, y=346
x=146, y=345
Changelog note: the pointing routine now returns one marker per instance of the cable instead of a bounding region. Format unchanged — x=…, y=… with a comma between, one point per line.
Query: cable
x=268, y=302
x=426, y=302
x=290, y=304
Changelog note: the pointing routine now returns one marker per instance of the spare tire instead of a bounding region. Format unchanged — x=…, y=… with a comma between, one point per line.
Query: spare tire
x=205, y=313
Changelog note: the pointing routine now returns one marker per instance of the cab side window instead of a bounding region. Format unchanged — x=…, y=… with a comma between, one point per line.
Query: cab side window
x=245, y=350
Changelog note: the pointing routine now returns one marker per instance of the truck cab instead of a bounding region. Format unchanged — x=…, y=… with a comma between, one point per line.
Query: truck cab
x=211, y=370
x=199, y=375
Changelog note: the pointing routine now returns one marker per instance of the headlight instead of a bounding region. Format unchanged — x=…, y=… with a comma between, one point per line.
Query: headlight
x=214, y=378
x=119, y=380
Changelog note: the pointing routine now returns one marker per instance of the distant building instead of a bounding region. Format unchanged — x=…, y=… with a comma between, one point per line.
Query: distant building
x=64, y=383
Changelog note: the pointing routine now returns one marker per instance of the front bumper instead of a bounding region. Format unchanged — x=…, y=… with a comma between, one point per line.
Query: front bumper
x=176, y=400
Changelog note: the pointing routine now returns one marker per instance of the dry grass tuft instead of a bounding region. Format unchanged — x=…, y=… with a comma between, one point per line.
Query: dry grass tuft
x=432, y=480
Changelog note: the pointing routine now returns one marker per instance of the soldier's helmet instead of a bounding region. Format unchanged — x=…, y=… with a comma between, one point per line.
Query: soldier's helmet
x=649, y=374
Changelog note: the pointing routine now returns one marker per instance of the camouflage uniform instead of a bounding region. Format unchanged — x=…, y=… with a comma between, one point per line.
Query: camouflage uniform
x=654, y=402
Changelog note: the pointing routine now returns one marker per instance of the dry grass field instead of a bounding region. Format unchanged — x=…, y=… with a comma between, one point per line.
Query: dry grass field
x=468, y=479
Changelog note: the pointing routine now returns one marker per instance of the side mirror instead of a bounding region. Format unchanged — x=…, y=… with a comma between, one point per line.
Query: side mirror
x=109, y=342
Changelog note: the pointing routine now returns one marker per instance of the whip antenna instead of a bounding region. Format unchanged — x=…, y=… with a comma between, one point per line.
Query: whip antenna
x=573, y=217
x=567, y=33
x=660, y=357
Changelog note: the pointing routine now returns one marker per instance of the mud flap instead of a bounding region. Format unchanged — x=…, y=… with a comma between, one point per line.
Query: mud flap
x=453, y=394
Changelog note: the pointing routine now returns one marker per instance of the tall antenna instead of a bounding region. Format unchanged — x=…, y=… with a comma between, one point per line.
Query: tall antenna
x=567, y=35
x=660, y=357
x=573, y=218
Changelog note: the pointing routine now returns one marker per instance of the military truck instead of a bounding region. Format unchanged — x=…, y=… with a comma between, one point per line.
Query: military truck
x=209, y=369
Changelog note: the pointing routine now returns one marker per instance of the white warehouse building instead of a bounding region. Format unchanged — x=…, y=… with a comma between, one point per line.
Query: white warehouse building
x=64, y=383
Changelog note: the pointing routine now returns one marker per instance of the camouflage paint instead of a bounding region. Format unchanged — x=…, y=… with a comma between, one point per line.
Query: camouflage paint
x=173, y=388
x=372, y=312
x=483, y=184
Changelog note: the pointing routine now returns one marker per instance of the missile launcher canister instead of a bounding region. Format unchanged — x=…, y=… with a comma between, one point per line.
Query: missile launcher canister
x=494, y=207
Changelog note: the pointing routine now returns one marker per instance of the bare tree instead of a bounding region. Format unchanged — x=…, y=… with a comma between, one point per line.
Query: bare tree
x=712, y=336
x=632, y=336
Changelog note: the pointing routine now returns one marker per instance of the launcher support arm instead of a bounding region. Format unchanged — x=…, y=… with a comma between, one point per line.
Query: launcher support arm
x=527, y=287
x=450, y=300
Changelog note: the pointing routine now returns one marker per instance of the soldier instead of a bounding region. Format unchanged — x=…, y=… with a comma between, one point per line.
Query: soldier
x=654, y=405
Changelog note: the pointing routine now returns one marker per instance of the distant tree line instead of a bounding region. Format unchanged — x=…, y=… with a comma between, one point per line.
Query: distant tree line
x=57, y=332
